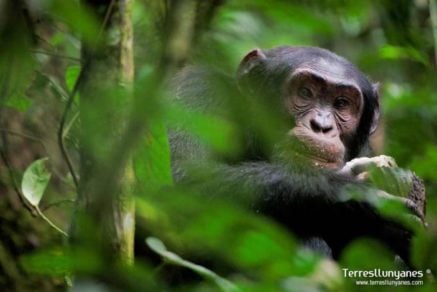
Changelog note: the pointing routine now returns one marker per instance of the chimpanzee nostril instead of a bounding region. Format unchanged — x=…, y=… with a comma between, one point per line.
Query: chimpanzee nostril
x=315, y=126
x=320, y=125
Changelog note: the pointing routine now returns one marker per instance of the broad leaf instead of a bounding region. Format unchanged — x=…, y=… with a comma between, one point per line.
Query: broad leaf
x=395, y=181
x=35, y=180
x=152, y=160
x=214, y=131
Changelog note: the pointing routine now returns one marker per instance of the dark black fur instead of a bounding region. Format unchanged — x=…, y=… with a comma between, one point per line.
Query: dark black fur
x=307, y=201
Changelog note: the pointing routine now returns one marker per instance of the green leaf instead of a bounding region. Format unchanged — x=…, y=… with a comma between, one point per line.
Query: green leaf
x=395, y=181
x=362, y=254
x=35, y=180
x=19, y=102
x=152, y=160
x=216, y=132
x=71, y=75
x=52, y=262
x=60, y=262
x=156, y=245
x=78, y=17
x=394, y=53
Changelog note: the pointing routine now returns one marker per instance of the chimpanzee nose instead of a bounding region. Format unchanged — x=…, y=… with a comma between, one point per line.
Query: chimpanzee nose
x=322, y=123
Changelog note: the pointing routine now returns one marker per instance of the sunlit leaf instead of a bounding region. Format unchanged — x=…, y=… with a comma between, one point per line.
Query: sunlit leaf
x=395, y=52
x=71, y=75
x=291, y=14
x=35, y=181
x=20, y=103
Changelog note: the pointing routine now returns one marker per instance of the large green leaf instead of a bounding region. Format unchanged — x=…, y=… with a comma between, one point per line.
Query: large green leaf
x=152, y=160
x=35, y=180
x=216, y=132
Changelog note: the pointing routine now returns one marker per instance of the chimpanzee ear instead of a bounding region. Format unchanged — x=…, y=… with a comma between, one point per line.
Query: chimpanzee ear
x=376, y=113
x=251, y=60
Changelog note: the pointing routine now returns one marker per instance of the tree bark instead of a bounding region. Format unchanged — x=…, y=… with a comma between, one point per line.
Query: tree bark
x=105, y=100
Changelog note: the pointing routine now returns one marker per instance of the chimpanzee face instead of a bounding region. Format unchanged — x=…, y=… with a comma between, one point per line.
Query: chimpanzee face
x=334, y=106
x=326, y=110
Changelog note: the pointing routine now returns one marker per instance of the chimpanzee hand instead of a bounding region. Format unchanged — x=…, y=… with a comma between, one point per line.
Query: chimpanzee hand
x=359, y=167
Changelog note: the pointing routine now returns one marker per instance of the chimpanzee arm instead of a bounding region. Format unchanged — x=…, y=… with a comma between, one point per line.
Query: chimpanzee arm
x=309, y=203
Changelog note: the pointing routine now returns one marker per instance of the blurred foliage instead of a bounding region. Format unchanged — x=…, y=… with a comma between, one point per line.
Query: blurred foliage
x=391, y=41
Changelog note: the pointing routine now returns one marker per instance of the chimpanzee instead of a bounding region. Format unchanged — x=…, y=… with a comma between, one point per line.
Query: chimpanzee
x=329, y=109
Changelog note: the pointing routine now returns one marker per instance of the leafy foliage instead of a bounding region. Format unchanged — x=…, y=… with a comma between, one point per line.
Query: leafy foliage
x=35, y=181
x=392, y=41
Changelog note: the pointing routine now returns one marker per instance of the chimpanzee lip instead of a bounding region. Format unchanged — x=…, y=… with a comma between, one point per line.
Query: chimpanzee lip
x=318, y=148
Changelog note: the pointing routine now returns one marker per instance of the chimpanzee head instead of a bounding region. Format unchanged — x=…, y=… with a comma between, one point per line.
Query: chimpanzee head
x=334, y=106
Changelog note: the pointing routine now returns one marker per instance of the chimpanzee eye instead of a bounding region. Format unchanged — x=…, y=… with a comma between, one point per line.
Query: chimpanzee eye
x=341, y=103
x=305, y=92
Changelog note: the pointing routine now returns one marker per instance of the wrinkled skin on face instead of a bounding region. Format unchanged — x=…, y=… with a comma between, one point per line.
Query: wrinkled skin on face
x=327, y=109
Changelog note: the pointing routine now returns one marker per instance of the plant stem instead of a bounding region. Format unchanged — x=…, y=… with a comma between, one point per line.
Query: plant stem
x=49, y=221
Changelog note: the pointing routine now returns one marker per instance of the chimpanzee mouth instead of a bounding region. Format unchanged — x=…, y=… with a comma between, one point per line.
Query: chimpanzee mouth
x=323, y=150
